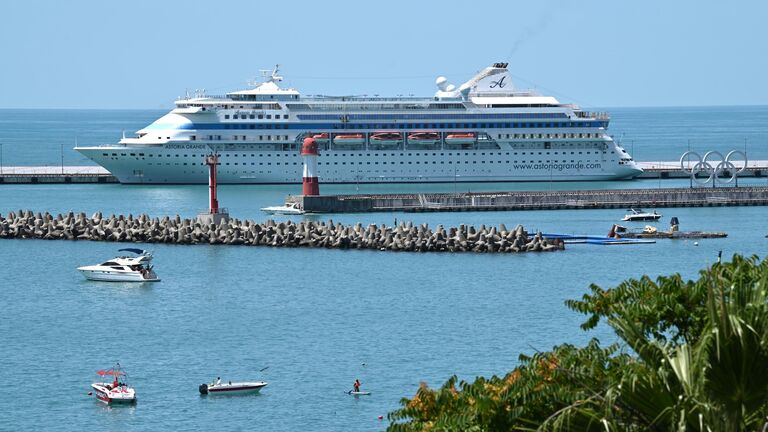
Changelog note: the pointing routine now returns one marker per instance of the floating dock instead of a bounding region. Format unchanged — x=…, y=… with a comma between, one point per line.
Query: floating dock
x=536, y=200
x=56, y=174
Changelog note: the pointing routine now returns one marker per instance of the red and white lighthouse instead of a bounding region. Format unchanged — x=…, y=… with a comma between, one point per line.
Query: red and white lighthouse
x=215, y=214
x=309, y=152
x=212, y=160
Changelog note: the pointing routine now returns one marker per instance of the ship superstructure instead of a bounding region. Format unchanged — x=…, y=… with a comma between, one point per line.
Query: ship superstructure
x=485, y=130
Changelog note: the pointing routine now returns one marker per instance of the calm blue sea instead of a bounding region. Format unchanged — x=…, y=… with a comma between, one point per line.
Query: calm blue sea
x=317, y=318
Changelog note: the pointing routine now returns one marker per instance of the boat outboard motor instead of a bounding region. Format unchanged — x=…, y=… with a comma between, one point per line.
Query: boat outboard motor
x=674, y=224
x=203, y=388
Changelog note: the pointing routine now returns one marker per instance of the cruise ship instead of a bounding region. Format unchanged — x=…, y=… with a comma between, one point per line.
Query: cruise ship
x=484, y=130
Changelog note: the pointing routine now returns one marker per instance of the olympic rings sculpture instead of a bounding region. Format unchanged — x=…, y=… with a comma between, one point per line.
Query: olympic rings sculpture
x=704, y=165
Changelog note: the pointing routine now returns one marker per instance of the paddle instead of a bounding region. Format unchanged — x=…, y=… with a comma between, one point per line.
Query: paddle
x=263, y=369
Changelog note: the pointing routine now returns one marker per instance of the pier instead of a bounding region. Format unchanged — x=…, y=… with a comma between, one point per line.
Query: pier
x=56, y=174
x=671, y=169
x=536, y=200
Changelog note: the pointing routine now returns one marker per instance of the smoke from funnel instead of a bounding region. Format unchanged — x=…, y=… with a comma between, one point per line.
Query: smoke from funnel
x=527, y=34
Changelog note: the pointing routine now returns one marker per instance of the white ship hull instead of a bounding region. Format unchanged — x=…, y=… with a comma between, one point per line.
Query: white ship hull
x=482, y=131
x=386, y=166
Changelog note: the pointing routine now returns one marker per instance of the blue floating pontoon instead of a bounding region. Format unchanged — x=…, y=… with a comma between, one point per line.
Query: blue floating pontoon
x=593, y=239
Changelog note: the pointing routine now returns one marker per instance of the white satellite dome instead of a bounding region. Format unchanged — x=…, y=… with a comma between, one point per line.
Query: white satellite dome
x=442, y=83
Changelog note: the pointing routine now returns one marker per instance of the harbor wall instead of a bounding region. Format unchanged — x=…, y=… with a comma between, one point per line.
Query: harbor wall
x=537, y=200
x=176, y=230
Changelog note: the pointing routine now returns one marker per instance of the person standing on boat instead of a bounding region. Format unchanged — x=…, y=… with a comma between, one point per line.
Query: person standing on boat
x=218, y=380
x=356, y=386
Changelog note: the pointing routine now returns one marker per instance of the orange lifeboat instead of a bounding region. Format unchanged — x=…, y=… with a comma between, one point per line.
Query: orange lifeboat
x=428, y=137
x=321, y=137
x=386, y=136
x=461, y=138
x=349, y=139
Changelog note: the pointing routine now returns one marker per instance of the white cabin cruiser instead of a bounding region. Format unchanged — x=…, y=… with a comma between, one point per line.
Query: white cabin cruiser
x=287, y=209
x=123, y=268
x=639, y=215
x=117, y=391
x=231, y=388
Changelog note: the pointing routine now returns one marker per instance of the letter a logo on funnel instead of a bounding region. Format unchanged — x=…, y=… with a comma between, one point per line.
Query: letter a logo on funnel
x=500, y=83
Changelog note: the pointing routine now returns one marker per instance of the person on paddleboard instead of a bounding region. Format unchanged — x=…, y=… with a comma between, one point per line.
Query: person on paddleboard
x=356, y=386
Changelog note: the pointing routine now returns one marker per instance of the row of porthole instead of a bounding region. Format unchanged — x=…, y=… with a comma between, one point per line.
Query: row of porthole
x=376, y=162
x=321, y=174
x=363, y=155
x=447, y=173
x=411, y=163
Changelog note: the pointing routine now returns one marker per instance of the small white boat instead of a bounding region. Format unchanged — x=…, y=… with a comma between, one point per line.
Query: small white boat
x=288, y=209
x=123, y=268
x=639, y=215
x=231, y=388
x=115, y=392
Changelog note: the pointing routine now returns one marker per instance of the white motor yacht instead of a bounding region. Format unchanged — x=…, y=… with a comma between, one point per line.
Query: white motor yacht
x=123, y=268
x=231, y=388
x=287, y=209
x=639, y=215
x=117, y=391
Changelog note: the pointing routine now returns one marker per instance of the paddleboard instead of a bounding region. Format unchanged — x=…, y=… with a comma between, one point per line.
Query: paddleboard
x=360, y=393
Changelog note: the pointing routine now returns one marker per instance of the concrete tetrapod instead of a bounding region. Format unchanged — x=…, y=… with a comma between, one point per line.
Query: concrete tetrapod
x=177, y=230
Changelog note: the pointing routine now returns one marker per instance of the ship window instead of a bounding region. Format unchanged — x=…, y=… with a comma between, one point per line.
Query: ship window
x=269, y=116
x=261, y=116
x=226, y=116
x=252, y=116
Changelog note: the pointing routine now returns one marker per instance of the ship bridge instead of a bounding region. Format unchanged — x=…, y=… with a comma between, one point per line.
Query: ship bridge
x=266, y=90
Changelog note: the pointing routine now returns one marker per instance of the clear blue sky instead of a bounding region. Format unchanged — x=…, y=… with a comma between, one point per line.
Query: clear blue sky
x=143, y=54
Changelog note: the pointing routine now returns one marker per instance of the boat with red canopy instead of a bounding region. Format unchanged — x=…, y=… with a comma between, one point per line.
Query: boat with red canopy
x=116, y=391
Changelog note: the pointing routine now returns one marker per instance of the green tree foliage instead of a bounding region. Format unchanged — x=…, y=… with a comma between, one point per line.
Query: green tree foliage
x=697, y=361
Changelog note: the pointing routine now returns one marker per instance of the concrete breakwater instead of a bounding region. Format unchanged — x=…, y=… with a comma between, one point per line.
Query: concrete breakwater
x=536, y=200
x=176, y=230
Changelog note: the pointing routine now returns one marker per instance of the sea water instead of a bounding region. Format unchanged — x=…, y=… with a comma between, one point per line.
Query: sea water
x=317, y=319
